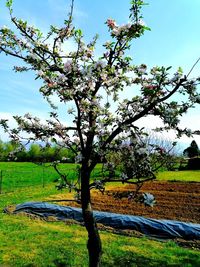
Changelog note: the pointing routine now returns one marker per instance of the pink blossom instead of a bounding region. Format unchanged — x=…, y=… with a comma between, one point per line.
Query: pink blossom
x=111, y=23
x=89, y=52
x=51, y=84
x=68, y=66
x=150, y=87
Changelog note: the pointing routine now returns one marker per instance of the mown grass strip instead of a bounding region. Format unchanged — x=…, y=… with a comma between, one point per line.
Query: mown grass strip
x=27, y=242
x=186, y=176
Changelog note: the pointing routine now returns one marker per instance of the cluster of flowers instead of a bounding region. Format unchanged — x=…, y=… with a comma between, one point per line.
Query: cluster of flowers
x=123, y=29
x=86, y=51
x=79, y=158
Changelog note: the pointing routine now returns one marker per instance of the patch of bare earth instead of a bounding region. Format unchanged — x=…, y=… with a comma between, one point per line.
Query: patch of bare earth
x=174, y=201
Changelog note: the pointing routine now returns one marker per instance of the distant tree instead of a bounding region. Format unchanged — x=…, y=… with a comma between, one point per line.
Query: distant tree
x=48, y=153
x=34, y=153
x=21, y=155
x=11, y=149
x=192, y=150
x=66, y=155
x=2, y=154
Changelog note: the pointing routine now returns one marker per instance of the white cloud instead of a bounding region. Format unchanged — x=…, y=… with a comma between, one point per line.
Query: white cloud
x=191, y=122
x=61, y=8
x=6, y=115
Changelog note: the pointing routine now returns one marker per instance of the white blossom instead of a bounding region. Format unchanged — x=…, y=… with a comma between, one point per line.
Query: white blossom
x=123, y=176
x=176, y=77
x=40, y=73
x=141, y=22
x=68, y=66
x=32, y=56
x=78, y=158
x=99, y=65
x=116, y=31
x=61, y=78
x=125, y=27
x=64, y=158
x=142, y=151
x=70, y=110
x=28, y=45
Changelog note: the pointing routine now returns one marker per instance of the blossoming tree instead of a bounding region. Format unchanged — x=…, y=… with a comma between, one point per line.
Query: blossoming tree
x=101, y=122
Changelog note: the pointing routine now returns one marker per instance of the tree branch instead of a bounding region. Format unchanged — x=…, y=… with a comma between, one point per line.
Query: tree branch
x=193, y=67
x=78, y=124
x=143, y=113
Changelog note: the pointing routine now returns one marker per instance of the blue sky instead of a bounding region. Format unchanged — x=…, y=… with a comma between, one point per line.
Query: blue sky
x=174, y=40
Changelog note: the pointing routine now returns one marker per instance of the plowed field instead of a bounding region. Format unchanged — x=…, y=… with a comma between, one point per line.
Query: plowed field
x=174, y=201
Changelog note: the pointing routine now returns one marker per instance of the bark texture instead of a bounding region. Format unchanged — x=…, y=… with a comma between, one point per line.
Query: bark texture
x=94, y=242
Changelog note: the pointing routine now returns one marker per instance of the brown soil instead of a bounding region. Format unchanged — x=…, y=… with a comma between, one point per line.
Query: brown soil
x=174, y=201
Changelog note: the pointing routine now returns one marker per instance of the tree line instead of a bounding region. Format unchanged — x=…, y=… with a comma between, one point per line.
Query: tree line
x=35, y=152
x=163, y=153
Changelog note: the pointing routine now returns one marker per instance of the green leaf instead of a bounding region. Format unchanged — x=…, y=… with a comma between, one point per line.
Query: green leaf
x=146, y=28
x=78, y=33
x=9, y=3
x=180, y=70
x=168, y=68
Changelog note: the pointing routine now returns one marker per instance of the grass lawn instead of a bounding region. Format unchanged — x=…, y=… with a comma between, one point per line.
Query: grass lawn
x=186, y=176
x=22, y=174
x=33, y=242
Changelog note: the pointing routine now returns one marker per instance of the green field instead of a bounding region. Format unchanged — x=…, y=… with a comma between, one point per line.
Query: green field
x=14, y=175
x=186, y=176
x=33, y=242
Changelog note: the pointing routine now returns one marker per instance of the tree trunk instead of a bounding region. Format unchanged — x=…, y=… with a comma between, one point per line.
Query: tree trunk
x=94, y=242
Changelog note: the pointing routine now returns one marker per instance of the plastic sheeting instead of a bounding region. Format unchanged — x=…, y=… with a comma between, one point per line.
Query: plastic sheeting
x=155, y=228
